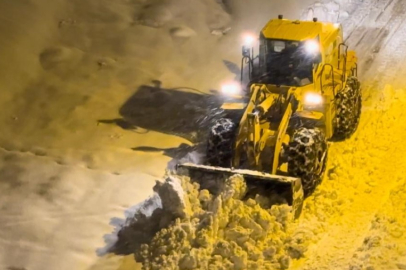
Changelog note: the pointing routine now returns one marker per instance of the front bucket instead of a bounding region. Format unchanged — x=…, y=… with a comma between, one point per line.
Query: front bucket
x=291, y=187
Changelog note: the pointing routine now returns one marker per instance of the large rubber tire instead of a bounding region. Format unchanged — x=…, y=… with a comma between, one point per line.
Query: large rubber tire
x=349, y=105
x=220, y=142
x=307, y=157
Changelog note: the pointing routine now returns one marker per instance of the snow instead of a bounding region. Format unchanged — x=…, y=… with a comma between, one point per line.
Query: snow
x=220, y=232
x=72, y=170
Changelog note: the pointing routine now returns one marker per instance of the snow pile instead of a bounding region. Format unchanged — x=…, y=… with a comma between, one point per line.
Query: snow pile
x=197, y=230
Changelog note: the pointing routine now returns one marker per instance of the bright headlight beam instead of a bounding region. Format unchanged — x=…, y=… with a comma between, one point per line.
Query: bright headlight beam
x=313, y=99
x=248, y=40
x=312, y=46
x=231, y=89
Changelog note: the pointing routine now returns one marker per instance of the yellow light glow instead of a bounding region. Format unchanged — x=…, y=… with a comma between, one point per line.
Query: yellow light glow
x=313, y=99
x=249, y=39
x=231, y=88
x=312, y=46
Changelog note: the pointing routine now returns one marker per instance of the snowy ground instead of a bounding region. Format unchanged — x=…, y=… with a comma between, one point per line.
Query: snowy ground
x=362, y=228
x=68, y=72
x=67, y=178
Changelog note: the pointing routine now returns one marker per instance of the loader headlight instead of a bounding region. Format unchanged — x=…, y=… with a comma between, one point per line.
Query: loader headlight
x=313, y=99
x=249, y=40
x=312, y=46
x=231, y=89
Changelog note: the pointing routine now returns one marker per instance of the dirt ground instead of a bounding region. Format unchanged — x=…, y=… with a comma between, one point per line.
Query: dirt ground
x=86, y=131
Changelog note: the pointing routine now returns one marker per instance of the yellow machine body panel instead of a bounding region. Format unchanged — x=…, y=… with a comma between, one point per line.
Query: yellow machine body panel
x=302, y=30
x=329, y=35
x=291, y=30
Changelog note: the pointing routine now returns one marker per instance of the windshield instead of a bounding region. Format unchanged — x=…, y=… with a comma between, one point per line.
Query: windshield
x=283, y=62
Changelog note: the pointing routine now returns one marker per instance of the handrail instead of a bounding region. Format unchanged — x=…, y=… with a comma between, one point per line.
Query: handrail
x=355, y=70
x=332, y=75
x=345, y=59
x=246, y=60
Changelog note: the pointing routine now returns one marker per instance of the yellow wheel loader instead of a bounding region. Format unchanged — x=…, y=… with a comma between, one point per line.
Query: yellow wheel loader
x=303, y=92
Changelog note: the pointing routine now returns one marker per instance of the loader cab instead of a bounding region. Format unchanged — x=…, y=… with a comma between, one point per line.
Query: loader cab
x=291, y=53
x=287, y=62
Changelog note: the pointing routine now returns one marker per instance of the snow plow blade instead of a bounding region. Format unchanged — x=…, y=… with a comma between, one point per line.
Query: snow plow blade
x=288, y=187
